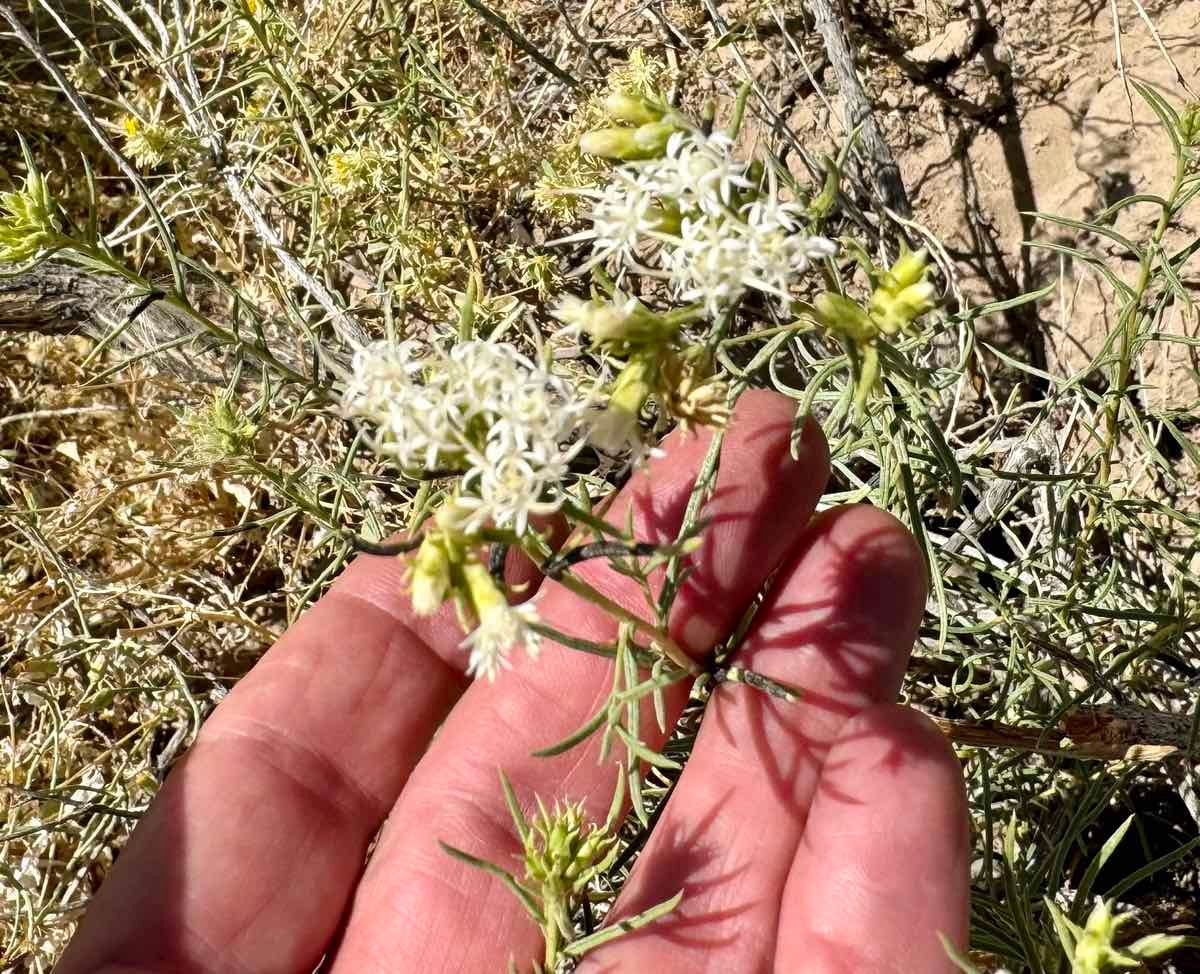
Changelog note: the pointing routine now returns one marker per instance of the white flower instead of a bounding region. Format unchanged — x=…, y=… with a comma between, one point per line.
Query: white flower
x=625, y=217
x=699, y=171
x=482, y=408
x=710, y=263
x=501, y=628
x=778, y=252
x=513, y=481
x=695, y=217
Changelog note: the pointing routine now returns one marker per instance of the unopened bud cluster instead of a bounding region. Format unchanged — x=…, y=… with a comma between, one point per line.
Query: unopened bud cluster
x=902, y=296
x=1090, y=948
x=28, y=224
x=650, y=123
x=448, y=566
x=221, y=431
x=563, y=853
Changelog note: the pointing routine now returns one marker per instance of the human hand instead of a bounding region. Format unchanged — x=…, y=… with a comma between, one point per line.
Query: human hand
x=819, y=836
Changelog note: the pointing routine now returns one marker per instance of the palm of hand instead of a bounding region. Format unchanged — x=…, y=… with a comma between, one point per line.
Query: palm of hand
x=827, y=835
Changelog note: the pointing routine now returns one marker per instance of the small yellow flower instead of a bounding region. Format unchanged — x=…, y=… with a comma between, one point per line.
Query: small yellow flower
x=354, y=170
x=147, y=143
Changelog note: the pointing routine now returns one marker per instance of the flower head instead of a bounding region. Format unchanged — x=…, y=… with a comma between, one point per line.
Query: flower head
x=696, y=217
x=221, y=431
x=147, y=143
x=701, y=173
x=483, y=409
x=353, y=170
x=501, y=627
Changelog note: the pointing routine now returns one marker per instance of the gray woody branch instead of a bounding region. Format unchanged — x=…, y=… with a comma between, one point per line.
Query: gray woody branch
x=885, y=172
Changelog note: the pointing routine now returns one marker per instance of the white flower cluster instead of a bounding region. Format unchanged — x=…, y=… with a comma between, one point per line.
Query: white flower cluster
x=499, y=630
x=695, y=217
x=482, y=409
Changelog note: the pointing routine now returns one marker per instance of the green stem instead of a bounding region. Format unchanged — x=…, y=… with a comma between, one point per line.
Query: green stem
x=1128, y=324
x=577, y=586
x=670, y=649
x=256, y=350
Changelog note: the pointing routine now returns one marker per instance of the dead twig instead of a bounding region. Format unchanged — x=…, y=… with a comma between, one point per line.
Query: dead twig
x=859, y=113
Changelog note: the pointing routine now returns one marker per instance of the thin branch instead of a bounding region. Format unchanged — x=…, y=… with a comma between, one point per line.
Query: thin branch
x=860, y=114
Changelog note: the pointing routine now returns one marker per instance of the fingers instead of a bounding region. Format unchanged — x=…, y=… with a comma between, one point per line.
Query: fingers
x=883, y=865
x=838, y=625
x=248, y=856
x=416, y=908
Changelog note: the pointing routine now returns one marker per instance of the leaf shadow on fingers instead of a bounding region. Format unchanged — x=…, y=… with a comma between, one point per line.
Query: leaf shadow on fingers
x=835, y=636
x=698, y=922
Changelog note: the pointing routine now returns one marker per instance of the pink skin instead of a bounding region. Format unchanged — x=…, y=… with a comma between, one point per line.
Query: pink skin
x=827, y=835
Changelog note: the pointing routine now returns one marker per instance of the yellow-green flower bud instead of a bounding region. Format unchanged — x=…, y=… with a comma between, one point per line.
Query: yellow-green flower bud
x=625, y=107
x=1189, y=124
x=903, y=295
x=484, y=595
x=616, y=325
x=430, y=577
x=1094, y=952
x=895, y=312
x=1155, y=945
x=838, y=313
x=648, y=141
x=616, y=143
x=617, y=428
x=652, y=137
x=908, y=269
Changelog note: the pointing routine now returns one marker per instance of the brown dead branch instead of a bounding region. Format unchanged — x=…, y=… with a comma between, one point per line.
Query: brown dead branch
x=55, y=298
x=1109, y=733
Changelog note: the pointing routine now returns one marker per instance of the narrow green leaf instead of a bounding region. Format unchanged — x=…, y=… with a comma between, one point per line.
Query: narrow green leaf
x=514, y=808
x=1166, y=114
x=610, y=933
x=1084, y=892
x=575, y=738
x=640, y=750
x=521, y=893
x=957, y=956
